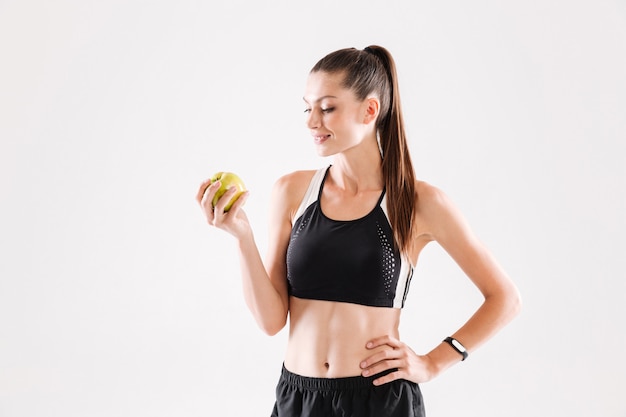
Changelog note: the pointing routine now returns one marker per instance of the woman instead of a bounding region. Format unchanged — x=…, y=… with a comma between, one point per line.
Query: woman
x=343, y=243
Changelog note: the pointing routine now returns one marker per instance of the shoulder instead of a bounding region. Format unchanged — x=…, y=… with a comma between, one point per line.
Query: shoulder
x=290, y=188
x=293, y=184
x=435, y=211
x=430, y=197
x=294, y=180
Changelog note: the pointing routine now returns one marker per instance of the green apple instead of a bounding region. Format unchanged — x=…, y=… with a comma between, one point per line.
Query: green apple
x=227, y=180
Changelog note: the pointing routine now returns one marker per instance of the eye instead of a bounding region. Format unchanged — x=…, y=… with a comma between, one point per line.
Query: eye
x=328, y=110
x=307, y=110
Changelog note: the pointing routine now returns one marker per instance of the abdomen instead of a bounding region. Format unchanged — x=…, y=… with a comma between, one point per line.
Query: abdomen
x=327, y=339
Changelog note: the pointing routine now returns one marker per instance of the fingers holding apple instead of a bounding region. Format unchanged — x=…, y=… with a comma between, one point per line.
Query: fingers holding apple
x=203, y=191
x=221, y=198
x=230, y=187
x=228, y=200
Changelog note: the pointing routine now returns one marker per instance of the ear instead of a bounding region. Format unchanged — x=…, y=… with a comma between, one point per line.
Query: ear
x=372, y=108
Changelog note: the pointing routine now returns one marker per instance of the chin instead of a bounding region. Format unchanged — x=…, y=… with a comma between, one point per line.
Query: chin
x=323, y=152
x=326, y=154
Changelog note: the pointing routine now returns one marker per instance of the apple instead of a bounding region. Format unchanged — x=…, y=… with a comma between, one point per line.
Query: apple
x=227, y=180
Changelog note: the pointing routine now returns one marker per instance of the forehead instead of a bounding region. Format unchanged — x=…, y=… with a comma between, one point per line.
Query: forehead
x=323, y=84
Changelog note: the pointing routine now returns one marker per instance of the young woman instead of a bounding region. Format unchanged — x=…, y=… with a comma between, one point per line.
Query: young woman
x=343, y=243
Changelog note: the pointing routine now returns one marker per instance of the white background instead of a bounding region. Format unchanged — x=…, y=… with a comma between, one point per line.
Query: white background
x=117, y=300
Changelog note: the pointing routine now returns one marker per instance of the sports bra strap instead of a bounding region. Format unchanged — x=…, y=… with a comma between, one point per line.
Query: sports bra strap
x=312, y=192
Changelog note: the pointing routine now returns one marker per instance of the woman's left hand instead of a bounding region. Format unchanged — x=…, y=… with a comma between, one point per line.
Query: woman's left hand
x=399, y=356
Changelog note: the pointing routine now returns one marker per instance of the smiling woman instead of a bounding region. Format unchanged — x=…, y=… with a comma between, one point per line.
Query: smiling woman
x=344, y=241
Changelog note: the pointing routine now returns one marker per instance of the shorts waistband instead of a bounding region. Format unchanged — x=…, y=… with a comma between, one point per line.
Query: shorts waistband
x=329, y=384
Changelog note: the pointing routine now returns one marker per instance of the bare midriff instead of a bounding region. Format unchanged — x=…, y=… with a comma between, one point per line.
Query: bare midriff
x=327, y=339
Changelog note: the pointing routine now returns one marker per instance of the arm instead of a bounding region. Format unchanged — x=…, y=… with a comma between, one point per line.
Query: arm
x=440, y=221
x=502, y=301
x=265, y=289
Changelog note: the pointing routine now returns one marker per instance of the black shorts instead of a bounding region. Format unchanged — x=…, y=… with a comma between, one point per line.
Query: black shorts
x=357, y=396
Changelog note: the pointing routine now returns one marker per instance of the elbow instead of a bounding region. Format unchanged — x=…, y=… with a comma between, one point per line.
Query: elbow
x=514, y=303
x=272, y=329
x=270, y=320
x=507, y=301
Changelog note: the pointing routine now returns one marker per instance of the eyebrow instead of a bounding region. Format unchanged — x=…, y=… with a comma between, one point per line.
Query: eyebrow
x=319, y=99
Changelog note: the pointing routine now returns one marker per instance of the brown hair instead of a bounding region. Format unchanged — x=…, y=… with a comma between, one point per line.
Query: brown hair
x=373, y=70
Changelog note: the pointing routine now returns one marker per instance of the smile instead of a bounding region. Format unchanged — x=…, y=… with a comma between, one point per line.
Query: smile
x=320, y=138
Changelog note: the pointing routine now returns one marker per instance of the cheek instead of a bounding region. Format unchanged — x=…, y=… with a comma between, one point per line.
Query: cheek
x=336, y=120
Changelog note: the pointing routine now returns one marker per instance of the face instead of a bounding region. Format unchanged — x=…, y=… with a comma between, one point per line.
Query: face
x=336, y=118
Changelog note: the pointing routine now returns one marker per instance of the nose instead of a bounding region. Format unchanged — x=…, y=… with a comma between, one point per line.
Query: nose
x=313, y=119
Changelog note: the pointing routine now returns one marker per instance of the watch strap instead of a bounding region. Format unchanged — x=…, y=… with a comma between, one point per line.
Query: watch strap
x=458, y=346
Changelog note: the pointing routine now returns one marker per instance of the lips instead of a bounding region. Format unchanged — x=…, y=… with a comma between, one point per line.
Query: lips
x=318, y=139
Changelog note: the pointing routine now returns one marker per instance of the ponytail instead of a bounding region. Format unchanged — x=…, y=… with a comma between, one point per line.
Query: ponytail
x=397, y=166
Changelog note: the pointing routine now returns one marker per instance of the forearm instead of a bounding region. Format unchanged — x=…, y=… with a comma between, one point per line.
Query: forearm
x=266, y=302
x=495, y=312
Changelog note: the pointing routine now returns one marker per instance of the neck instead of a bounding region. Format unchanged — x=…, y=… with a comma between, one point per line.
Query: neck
x=359, y=168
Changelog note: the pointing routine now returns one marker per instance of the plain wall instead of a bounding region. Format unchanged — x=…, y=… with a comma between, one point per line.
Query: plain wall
x=116, y=299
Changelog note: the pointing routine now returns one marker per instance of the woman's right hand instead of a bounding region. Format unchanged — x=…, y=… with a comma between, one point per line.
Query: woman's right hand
x=234, y=221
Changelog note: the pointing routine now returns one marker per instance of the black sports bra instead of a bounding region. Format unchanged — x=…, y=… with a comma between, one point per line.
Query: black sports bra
x=352, y=261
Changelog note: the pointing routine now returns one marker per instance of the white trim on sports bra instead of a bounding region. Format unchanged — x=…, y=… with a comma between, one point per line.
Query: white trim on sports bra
x=311, y=193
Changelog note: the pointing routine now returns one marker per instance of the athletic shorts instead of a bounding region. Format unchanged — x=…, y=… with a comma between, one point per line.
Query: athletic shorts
x=357, y=396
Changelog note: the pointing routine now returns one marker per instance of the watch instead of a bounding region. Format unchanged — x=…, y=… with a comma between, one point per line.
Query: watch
x=456, y=345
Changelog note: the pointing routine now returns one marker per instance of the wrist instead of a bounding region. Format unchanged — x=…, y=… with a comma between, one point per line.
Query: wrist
x=433, y=367
x=457, y=346
x=245, y=239
x=441, y=358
